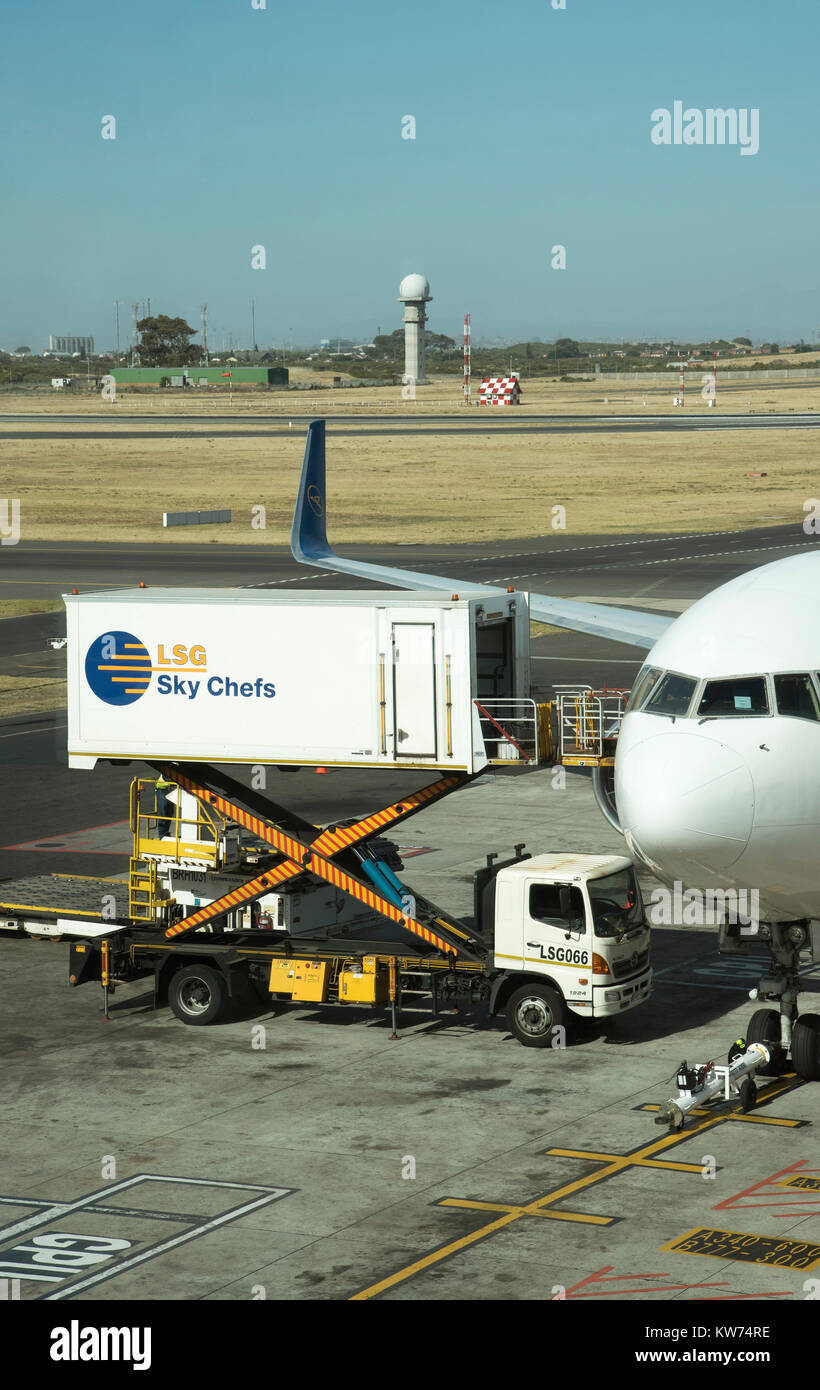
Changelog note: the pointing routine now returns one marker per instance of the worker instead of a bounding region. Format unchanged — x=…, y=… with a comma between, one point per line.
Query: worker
x=166, y=809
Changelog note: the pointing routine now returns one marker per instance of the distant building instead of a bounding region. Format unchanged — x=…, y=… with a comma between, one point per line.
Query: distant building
x=201, y=376
x=83, y=345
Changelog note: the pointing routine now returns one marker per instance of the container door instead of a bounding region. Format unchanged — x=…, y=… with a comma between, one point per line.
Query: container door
x=494, y=665
x=414, y=690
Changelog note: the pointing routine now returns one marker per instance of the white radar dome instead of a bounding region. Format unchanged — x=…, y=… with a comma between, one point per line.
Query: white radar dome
x=414, y=287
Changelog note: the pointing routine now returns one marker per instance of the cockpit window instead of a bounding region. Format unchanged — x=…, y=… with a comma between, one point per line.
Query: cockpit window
x=728, y=699
x=796, y=696
x=646, y=678
x=672, y=695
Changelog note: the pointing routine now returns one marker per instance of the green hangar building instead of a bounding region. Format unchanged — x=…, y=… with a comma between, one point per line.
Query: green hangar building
x=200, y=376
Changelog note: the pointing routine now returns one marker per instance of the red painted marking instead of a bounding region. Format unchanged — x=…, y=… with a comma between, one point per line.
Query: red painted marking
x=735, y=1202
x=737, y=1297
x=41, y=844
x=602, y=1276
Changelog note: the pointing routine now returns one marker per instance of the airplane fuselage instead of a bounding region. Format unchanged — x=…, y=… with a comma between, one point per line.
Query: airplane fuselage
x=717, y=769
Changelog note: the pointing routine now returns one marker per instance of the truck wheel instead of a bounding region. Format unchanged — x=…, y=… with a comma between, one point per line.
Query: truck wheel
x=806, y=1047
x=533, y=1011
x=197, y=994
x=764, y=1027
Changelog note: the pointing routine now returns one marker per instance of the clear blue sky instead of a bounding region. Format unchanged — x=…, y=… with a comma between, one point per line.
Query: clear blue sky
x=282, y=127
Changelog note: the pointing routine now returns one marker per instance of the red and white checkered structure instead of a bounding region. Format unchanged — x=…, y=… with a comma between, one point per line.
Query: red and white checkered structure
x=499, y=390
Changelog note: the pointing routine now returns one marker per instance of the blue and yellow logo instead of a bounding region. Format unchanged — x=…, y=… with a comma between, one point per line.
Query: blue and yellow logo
x=118, y=668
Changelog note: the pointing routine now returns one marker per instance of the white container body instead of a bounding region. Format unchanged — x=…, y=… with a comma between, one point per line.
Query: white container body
x=256, y=676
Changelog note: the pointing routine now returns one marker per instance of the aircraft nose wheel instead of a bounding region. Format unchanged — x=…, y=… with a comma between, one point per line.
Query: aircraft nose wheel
x=764, y=1027
x=806, y=1047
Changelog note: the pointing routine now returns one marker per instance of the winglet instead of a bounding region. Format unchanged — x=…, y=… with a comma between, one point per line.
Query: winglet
x=308, y=536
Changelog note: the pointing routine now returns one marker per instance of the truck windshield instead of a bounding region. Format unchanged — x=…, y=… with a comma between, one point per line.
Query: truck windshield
x=616, y=903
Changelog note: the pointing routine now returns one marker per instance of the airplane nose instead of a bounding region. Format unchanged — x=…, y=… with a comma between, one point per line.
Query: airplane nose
x=685, y=802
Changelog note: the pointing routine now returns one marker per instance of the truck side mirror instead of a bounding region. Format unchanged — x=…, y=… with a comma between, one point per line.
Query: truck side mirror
x=564, y=901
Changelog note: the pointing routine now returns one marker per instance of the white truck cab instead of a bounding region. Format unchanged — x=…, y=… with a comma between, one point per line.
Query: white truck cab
x=574, y=925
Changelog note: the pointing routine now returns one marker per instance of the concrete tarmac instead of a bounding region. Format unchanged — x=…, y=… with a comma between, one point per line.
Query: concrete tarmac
x=293, y=1153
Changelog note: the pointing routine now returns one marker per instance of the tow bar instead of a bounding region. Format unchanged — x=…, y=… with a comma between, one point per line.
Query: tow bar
x=707, y=1081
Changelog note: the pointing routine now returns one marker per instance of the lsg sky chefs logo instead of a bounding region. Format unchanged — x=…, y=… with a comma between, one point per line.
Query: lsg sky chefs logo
x=714, y=126
x=119, y=669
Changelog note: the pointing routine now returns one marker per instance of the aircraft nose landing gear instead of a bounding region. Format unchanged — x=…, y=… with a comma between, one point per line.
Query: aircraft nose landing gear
x=784, y=1032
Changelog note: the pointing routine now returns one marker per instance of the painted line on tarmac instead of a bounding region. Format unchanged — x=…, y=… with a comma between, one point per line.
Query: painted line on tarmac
x=25, y=732
x=645, y=1156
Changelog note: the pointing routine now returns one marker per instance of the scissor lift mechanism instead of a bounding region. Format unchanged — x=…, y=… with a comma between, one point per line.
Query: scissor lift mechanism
x=304, y=848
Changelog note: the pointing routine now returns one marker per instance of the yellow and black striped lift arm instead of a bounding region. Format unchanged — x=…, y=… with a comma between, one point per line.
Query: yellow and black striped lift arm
x=302, y=858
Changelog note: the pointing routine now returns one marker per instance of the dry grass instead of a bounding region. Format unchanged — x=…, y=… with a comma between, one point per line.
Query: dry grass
x=406, y=488
x=31, y=694
x=442, y=396
x=24, y=607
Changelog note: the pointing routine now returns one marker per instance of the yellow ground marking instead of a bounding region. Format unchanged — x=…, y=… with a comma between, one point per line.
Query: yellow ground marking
x=532, y=1211
x=729, y=1245
x=738, y=1114
x=612, y=1164
x=639, y=1162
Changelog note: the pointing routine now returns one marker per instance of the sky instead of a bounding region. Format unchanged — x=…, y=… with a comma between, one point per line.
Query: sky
x=281, y=127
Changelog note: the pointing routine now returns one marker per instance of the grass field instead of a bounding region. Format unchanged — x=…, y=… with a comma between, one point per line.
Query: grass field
x=441, y=396
x=24, y=607
x=30, y=694
x=408, y=488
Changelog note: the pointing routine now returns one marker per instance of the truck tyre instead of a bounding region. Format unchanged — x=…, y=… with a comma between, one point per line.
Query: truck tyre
x=197, y=994
x=533, y=1011
x=806, y=1047
x=764, y=1027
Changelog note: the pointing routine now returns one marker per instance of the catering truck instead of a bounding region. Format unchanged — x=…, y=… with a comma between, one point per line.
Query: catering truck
x=227, y=892
x=230, y=892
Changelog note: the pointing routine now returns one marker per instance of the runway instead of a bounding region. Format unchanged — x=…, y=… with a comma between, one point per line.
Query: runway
x=640, y=568
x=355, y=426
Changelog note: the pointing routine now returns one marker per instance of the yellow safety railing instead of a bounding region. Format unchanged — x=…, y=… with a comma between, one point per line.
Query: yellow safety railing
x=160, y=830
x=588, y=724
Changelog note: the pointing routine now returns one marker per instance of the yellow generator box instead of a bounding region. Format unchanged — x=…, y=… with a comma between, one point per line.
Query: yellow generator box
x=301, y=979
x=365, y=983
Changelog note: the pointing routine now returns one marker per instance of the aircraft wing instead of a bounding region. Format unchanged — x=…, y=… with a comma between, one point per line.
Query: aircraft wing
x=309, y=544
